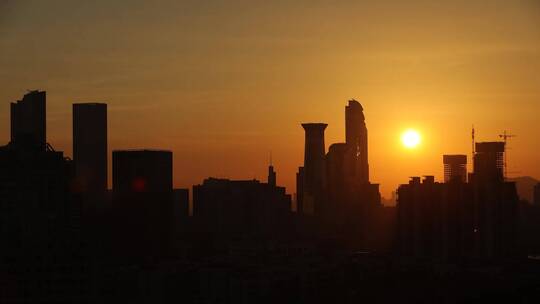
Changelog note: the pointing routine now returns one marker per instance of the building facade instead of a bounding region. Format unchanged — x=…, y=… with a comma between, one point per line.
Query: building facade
x=28, y=120
x=90, y=147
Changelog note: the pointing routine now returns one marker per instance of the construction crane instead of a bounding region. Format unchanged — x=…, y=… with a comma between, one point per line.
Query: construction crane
x=505, y=136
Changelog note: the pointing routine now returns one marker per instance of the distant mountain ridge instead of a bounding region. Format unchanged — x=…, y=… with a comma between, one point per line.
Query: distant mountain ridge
x=525, y=186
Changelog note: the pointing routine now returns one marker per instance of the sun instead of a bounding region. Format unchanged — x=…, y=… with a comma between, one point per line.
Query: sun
x=411, y=139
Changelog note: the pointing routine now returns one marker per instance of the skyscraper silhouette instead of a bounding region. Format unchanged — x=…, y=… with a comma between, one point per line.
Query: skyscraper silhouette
x=356, y=139
x=28, y=120
x=338, y=165
x=489, y=161
x=314, y=166
x=90, y=146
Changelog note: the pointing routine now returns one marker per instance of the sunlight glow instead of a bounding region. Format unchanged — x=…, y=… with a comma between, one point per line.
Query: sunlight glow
x=410, y=139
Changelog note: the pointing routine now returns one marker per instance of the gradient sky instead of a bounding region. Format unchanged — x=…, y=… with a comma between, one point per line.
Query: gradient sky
x=223, y=83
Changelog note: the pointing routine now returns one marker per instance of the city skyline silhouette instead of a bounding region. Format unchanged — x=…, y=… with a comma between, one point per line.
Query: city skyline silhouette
x=388, y=197
x=257, y=152
x=207, y=78
x=60, y=208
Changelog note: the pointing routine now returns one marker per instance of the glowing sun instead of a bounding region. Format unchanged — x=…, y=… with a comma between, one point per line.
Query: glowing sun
x=411, y=139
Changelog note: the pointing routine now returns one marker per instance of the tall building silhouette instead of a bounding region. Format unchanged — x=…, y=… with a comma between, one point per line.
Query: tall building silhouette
x=28, y=120
x=314, y=166
x=455, y=167
x=38, y=219
x=335, y=186
x=338, y=165
x=489, y=161
x=356, y=138
x=90, y=146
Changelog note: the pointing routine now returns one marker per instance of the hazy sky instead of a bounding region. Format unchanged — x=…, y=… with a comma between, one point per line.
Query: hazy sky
x=221, y=83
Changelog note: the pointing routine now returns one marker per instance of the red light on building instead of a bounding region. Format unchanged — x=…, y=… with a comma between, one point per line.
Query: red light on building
x=139, y=185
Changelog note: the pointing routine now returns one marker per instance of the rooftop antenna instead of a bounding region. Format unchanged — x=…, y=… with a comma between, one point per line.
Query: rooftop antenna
x=271, y=158
x=505, y=136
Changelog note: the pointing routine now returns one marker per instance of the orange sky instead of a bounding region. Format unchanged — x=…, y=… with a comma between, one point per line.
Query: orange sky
x=221, y=83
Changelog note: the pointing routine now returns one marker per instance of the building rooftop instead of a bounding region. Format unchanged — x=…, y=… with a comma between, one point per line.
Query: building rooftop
x=355, y=103
x=494, y=146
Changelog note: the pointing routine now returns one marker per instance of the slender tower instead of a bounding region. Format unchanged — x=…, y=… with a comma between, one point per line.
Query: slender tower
x=356, y=139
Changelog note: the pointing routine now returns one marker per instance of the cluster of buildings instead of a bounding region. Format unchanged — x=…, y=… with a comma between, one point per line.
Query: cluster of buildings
x=44, y=194
x=333, y=188
x=58, y=213
x=467, y=215
x=460, y=218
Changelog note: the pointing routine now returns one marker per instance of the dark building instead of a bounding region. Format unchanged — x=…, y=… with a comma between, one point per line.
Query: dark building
x=300, y=190
x=143, y=200
x=28, y=120
x=338, y=164
x=536, y=199
x=529, y=226
x=435, y=220
x=181, y=203
x=33, y=195
x=357, y=139
x=90, y=147
x=140, y=171
x=353, y=205
x=489, y=161
x=455, y=167
x=180, y=208
x=39, y=224
x=226, y=209
x=40, y=227
x=34, y=178
x=314, y=167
